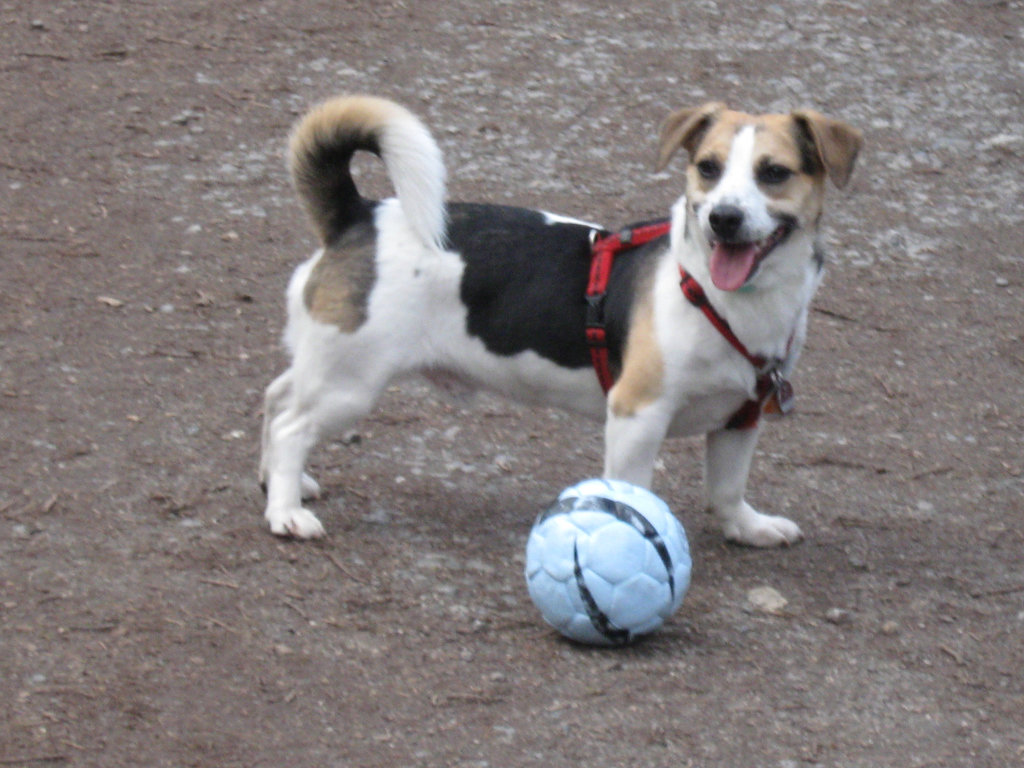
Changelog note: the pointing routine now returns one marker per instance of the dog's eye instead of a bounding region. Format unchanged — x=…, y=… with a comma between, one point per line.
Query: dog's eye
x=772, y=173
x=709, y=169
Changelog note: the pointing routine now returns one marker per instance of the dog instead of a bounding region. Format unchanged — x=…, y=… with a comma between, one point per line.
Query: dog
x=495, y=296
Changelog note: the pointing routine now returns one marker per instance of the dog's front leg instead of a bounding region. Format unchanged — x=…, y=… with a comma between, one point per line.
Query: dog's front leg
x=726, y=466
x=631, y=444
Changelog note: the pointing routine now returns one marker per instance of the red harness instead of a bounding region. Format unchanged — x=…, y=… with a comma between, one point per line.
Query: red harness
x=603, y=251
x=773, y=394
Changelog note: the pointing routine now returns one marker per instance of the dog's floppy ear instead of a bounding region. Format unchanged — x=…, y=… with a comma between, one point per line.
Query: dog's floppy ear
x=684, y=128
x=836, y=143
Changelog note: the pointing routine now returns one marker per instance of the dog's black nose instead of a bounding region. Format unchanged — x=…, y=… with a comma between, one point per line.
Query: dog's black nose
x=725, y=221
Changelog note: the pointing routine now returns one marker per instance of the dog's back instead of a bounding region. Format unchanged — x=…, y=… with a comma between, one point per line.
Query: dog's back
x=522, y=273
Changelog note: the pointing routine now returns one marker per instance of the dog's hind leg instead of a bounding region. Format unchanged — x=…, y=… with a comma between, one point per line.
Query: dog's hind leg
x=306, y=417
x=274, y=402
x=291, y=436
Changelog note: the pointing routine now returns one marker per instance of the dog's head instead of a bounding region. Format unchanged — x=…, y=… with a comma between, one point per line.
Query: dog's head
x=755, y=183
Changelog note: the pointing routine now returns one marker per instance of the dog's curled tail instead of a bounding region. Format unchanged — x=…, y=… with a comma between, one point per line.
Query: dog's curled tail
x=321, y=148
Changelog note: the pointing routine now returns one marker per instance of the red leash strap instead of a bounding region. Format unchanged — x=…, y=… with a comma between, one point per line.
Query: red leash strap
x=773, y=393
x=602, y=256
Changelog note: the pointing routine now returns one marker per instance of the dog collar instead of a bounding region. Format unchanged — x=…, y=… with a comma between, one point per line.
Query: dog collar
x=773, y=394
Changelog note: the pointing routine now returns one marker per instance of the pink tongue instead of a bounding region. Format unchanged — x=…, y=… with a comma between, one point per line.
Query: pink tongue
x=731, y=265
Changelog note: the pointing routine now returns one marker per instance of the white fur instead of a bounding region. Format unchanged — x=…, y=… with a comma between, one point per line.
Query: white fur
x=738, y=187
x=405, y=143
x=557, y=218
x=335, y=378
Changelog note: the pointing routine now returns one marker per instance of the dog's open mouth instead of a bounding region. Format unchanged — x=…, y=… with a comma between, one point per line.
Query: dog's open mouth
x=732, y=264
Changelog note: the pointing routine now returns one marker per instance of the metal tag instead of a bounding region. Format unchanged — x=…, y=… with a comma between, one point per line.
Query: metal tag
x=782, y=400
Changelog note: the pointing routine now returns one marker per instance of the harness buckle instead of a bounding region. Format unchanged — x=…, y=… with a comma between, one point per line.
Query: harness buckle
x=595, y=310
x=596, y=336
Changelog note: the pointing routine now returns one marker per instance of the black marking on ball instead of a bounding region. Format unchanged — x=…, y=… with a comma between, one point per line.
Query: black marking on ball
x=626, y=514
x=600, y=620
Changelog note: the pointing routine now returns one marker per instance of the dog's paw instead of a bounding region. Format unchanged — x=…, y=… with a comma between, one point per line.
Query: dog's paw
x=748, y=526
x=310, y=487
x=296, y=523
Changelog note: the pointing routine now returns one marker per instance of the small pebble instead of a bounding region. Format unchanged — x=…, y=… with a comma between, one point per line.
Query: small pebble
x=766, y=599
x=838, y=616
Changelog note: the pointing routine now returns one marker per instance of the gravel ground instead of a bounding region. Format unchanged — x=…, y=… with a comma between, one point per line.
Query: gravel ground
x=148, y=230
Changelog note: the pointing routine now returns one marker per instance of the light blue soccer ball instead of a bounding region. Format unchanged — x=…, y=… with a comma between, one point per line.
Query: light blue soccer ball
x=607, y=562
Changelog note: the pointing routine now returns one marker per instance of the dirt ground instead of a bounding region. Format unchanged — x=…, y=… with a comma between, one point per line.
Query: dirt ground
x=147, y=618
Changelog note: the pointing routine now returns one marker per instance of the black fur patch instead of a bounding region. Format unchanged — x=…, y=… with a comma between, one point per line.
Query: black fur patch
x=818, y=256
x=525, y=282
x=323, y=178
x=810, y=160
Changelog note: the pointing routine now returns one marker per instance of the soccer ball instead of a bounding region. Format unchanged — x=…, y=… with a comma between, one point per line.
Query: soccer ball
x=607, y=562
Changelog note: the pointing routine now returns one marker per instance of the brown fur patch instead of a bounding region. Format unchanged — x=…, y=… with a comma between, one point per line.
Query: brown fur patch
x=338, y=289
x=776, y=142
x=643, y=368
x=685, y=128
x=837, y=143
x=803, y=195
x=806, y=141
